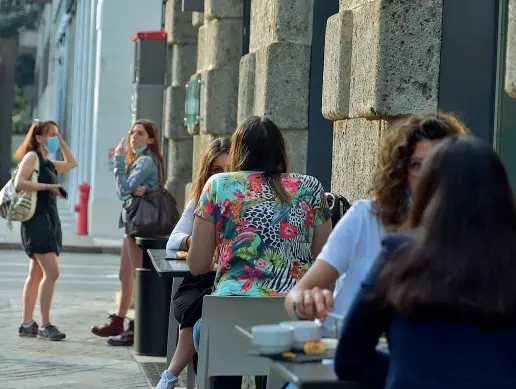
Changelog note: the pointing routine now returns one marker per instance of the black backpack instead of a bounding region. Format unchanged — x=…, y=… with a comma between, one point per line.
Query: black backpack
x=338, y=206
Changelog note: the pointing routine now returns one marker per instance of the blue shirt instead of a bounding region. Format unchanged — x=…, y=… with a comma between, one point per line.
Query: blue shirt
x=423, y=354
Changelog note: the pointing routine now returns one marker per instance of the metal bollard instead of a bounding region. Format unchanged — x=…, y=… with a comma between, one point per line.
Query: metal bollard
x=142, y=319
x=152, y=307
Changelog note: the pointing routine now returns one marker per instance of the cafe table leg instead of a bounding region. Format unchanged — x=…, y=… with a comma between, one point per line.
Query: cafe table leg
x=274, y=380
x=173, y=325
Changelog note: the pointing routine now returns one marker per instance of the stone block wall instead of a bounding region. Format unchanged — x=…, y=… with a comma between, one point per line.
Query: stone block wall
x=510, y=74
x=182, y=40
x=382, y=61
x=219, y=49
x=274, y=75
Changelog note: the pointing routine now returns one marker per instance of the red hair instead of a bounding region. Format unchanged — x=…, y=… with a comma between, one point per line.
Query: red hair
x=30, y=143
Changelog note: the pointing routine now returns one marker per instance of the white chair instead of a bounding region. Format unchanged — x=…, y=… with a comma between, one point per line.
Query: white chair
x=222, y=352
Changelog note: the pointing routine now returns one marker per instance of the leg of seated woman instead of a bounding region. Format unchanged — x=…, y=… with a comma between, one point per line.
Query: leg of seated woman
x=185, y=351
x=222, y=382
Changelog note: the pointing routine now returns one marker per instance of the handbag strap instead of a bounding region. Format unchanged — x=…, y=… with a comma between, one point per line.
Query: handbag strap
x=161, y=177
x=37, y=164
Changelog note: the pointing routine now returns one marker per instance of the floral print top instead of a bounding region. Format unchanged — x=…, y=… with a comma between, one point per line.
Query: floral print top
x=263, y=245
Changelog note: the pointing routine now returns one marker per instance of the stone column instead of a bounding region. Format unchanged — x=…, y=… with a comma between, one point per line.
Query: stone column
x=182, y=40
x=510, y=73
x=274, y=76
x=219, y=49
x=381, y=61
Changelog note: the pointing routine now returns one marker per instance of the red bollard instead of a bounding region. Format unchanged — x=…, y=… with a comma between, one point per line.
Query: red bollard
x=82, y=209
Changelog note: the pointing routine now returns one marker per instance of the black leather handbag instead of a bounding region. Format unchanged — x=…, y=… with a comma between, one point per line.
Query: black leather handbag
x=338, y=206
x=153, y=214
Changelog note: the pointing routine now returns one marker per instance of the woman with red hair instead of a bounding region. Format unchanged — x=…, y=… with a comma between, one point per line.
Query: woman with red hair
x=41, y=235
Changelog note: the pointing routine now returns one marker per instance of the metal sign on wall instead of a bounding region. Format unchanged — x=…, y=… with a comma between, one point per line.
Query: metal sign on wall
x=193, y=5
x=193, y=101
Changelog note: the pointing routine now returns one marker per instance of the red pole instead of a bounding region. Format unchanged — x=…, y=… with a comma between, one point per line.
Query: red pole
x=82, y=209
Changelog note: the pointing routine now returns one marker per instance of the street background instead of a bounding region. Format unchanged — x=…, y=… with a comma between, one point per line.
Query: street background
x=84, y=296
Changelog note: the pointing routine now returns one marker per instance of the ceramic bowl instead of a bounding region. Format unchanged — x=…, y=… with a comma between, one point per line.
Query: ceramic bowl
x=304, y=331
x=272, y=339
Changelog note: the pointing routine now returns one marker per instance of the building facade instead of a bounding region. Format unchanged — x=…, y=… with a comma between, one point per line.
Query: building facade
x=84, y=64
x=332, y=74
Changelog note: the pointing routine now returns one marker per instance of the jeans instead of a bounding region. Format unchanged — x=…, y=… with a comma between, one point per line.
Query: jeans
x=197, y=334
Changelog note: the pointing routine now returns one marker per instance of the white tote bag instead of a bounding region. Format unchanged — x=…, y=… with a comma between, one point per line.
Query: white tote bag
x=18, y=206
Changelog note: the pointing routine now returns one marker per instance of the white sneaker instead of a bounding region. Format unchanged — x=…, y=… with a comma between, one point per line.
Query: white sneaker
x=167, y=381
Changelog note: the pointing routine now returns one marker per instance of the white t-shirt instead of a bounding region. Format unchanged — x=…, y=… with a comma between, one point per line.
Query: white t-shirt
x=352, y=248
x=183, y=228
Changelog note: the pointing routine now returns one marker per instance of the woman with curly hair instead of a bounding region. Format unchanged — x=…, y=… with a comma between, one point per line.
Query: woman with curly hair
x=356, y=240
x=443, y=292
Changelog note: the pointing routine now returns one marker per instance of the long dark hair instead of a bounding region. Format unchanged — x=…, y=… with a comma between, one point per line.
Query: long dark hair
x=389, y=189
x=258, y=145
x=217, y=147
x=462, y=259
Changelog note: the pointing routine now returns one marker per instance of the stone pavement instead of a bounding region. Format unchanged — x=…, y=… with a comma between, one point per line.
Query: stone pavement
x=81, y=361
x=11, y=239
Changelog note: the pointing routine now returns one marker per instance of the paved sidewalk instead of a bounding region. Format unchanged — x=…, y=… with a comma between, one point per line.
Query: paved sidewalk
x=11, y=239
x=81, y=361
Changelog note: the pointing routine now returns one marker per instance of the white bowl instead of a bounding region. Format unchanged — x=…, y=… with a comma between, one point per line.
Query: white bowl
x=272, y=339
x=304, y=331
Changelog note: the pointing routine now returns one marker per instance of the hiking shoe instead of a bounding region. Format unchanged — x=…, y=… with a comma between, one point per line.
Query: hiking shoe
x=126, y=338
x=51, y=332
x=167, y=381
x=29, y=330
x=113, y=327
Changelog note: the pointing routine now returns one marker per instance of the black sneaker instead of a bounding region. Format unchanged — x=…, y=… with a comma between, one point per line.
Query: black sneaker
x=28, y=331
x=51, y=332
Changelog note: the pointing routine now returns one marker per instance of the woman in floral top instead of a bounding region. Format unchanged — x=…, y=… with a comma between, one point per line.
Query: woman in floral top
x=265, y=226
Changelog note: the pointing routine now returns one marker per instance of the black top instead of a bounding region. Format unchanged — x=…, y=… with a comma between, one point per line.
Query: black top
x=42, y=233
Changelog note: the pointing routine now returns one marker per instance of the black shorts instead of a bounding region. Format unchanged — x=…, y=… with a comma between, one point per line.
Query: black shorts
x=188, y=299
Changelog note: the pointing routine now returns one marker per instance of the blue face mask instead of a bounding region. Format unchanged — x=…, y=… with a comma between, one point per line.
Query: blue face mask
x=140, y=150
x=52, y=145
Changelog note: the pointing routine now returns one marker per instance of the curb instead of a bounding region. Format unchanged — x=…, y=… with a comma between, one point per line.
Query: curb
x=68, y=249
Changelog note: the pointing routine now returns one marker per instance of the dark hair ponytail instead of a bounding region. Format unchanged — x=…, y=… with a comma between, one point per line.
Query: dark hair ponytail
x=274, y=180
x=258, y=145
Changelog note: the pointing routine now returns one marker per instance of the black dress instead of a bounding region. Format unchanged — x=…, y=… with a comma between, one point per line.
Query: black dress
x=42, y=233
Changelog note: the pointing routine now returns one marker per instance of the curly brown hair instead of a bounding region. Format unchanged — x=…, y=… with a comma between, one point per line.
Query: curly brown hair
x=389, y=189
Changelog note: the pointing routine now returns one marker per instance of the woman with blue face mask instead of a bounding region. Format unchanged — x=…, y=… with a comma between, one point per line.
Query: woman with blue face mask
x=356, y=240
x=138, y=168
x=41, y=235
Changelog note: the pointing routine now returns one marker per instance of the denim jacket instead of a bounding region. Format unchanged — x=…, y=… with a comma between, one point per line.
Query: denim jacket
x=144, y=171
